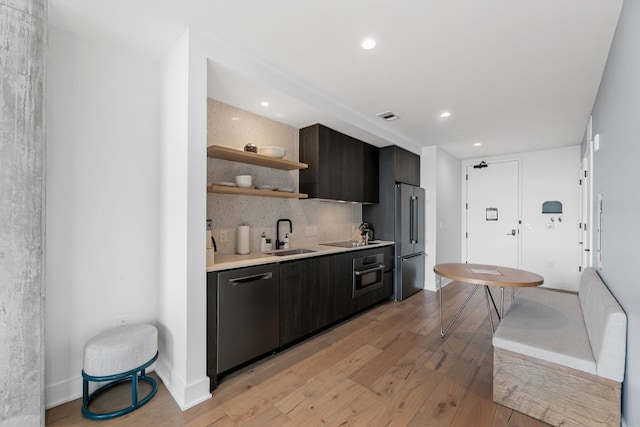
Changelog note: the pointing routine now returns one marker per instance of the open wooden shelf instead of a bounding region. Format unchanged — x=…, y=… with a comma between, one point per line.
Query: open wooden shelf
x=254, y=192
x=224, y=153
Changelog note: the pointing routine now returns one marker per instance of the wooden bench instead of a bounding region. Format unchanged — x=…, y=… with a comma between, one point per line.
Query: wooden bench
x=560, y=357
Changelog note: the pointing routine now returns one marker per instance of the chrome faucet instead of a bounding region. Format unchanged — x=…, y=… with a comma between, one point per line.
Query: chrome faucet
x=278, y=230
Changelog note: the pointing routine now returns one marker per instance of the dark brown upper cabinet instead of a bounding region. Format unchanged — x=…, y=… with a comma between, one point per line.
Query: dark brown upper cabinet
x=399, y=165
x=340, y=167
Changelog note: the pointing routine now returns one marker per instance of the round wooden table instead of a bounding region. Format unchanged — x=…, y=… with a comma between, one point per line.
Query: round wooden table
x=485, y=275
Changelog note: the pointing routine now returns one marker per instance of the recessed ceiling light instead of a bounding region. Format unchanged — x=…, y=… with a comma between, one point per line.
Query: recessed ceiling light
x=445, y=114
x=368, y=44
x=477, y=144
x=264, y=103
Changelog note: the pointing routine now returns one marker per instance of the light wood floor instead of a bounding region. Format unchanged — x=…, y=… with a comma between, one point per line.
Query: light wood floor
x=386, y=367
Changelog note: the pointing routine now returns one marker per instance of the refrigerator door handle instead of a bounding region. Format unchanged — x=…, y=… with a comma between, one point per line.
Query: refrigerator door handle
x=413, y=219
x=411, y=222
x=416, y=206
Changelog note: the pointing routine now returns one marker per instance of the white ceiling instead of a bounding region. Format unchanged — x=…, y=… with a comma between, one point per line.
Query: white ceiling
x=516, y=75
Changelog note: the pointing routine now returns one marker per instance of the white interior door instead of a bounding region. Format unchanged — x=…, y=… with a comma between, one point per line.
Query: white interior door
x=493, y=214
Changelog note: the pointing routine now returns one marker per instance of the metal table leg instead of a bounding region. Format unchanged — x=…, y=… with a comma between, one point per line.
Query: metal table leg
x=487, y=294
x=443, y=331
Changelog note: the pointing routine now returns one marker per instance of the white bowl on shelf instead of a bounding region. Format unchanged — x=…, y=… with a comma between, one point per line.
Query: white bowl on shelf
x=243, y=181
x=276, y=152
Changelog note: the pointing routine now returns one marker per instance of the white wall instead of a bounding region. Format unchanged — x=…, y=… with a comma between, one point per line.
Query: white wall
x=449, y=208
x=547, y=175
x=102, y=216
x=183, y=175
x=429, y=181
x=440, y=176
x=554, y=254
x=615, y=119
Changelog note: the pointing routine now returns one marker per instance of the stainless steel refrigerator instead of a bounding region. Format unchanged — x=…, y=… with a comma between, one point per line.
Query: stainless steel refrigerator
x=409, y=240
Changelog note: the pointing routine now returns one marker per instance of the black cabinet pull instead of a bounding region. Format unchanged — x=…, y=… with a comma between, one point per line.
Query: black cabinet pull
x=254, y=278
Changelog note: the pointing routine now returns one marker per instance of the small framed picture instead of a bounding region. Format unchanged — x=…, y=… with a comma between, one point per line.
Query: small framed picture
x=492, y=214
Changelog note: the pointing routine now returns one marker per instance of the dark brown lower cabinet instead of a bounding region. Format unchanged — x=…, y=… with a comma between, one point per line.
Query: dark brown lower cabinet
x=212, y=335
x=315, y=292
x=297, y=285
x=332, y=300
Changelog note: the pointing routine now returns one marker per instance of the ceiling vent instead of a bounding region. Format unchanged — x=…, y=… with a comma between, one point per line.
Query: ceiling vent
x=388, y=116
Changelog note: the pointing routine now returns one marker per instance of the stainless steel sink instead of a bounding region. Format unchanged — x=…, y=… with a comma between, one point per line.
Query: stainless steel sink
x=291, y=252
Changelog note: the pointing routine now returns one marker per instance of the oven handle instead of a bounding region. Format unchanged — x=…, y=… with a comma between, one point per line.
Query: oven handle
x=369, y=270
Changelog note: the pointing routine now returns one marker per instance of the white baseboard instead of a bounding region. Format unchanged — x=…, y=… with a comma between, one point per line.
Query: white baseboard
x=62, y=392
x=185, y=396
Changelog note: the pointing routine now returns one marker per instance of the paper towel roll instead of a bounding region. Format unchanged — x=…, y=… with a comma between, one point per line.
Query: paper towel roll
x=209, y=241
x=210, y=256
x=242, y=239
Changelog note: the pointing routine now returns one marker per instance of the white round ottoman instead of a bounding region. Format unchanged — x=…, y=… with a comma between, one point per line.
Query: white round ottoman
x=119, y=355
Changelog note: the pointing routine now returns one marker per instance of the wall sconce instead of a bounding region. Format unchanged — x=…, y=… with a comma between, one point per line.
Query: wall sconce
x=552, y=207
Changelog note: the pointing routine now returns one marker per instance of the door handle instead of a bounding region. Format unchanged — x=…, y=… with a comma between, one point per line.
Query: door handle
x=513, y=233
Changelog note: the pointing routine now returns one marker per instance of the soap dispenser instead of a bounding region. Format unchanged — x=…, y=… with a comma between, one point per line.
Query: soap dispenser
x=286, y=241
x=263, y=242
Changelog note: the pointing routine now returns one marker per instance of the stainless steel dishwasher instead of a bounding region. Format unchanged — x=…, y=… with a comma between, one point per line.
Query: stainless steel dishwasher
x=248, y=314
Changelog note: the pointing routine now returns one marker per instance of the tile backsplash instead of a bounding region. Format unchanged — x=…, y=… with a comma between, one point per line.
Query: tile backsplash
x=314, y=221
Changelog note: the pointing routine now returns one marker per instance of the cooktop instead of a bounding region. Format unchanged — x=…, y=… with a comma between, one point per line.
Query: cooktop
x=348, y=244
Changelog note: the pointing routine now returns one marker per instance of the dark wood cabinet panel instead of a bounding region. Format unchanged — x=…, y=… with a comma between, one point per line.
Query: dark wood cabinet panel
x=396, y=165
x=333, y=298
x=212, y=337
x=340, y=167
x=314, y=293
x=371, y=172
x=317, y=292
x=406, y=165
x=297, y=289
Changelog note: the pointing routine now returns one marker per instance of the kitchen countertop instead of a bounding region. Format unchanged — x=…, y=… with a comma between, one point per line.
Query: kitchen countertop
x=230, y=261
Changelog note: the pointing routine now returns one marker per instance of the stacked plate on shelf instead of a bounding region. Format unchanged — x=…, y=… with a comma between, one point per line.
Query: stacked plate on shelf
x=265, y=187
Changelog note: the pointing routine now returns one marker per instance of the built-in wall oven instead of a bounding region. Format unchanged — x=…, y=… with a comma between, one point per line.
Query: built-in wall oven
x=368, y=272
